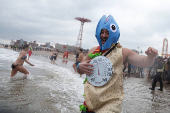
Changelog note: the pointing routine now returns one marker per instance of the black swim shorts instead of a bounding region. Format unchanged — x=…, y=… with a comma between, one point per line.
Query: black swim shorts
x=14, y=66
x=77, y=62
x=54, y=57
x=51, y=57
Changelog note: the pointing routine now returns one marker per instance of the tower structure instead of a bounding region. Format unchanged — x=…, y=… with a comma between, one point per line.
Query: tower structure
x=79, y=38
x=165, y=48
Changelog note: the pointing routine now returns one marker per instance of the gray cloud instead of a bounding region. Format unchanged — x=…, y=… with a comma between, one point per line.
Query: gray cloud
x=142, y=23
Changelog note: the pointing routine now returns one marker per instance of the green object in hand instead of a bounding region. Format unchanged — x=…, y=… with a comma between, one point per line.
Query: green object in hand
x=85, y=81
x=91, y=55
x=82, y=108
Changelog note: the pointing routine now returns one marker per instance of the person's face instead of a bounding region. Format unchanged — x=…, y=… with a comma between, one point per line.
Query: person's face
x=27, y=49
x=104, y=35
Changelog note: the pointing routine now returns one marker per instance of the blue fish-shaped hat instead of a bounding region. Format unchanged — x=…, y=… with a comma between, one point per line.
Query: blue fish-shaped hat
x=110, y=24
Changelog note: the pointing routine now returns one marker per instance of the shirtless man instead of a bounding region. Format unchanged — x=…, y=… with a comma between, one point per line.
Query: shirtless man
x=55, y=54
x=78, y=60
x=53, y=57
x=109, y=97
x=17, y=65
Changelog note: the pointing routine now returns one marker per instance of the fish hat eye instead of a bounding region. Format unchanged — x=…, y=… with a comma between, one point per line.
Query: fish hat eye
x=113, y=27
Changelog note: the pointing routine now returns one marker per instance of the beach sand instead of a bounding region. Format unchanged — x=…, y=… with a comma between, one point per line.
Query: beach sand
x=1, y=46
x=71, y=57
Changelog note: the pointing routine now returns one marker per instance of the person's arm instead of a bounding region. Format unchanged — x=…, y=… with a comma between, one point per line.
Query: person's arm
x=28, y=62
x=140, y=61
x=84, y=65
x=20, y=56
x=57, y=54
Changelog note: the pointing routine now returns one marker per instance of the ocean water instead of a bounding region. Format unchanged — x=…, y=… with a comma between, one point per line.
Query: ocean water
x=49, y=88
x=55, y=89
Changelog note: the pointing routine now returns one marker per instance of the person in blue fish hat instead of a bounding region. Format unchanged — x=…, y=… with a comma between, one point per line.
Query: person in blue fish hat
x=108, y=98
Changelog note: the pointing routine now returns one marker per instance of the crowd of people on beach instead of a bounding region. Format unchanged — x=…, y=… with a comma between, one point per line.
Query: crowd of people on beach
x=150, y=71
x=159, y=71
x=23, y=57
x=20, y=47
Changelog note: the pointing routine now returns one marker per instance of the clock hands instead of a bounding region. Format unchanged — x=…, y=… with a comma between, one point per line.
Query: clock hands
x=98, y=68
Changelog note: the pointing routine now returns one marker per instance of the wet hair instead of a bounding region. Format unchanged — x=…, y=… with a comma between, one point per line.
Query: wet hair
x=25, y=46
x=159, y=57
x=81, y=50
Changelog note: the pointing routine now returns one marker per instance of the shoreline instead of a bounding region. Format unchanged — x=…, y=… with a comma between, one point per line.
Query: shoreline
x=71, y=57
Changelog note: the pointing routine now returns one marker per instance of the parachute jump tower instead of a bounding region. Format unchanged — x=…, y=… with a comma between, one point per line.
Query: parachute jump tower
x=79, y=38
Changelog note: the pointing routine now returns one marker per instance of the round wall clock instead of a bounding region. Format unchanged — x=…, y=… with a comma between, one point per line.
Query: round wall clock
x=102, y=71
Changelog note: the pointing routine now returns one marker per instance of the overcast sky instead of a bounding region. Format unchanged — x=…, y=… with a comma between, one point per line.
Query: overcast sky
x=142, y=23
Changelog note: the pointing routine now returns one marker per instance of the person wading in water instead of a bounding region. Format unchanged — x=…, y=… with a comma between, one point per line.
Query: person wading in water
x=18, y=64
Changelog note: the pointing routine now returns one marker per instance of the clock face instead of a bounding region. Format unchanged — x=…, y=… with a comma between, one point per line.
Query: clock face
x=102, y=71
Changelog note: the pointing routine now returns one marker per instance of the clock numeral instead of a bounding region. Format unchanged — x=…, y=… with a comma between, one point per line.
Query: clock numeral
x=95, y=61
x=92, y=79
x=105, y=79
x=109, y=74
x=99, y=59
x=109, y=69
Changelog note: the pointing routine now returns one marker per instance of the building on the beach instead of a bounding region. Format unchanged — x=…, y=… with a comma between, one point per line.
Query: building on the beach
x=70, y=49
x=20, y=42
x=63, y=47
x=47, y=46
x=12, y=42
x=33, y=44
x=59, y=46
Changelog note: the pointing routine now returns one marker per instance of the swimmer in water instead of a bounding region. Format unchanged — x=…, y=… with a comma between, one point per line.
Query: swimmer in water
x=55, y=54
x=17, y=65
x=53, y=57
x=79, y=59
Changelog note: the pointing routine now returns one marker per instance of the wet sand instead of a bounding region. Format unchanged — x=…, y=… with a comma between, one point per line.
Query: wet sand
x=71, y=57
x=1, y=46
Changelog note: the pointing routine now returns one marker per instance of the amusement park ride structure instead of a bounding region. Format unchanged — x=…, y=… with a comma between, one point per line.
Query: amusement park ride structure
x=79, y=38
x=165, y=48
